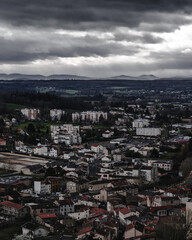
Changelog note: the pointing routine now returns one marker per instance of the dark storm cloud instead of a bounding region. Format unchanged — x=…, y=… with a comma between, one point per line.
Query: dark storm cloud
x=119, y=35
x=22, y=51
x=86, y=13
x=144, y=38
x=173, y=60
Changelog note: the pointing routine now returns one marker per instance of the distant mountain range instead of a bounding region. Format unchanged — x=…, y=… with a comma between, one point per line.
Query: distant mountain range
x=18, y=76
x=142, y=77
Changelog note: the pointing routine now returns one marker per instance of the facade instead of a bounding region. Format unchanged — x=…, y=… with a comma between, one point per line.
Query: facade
x=67, y=134
x=41, y=187
x=14, y=209
x=140, y=123
x=30, y=114
x=161, y=201
x=163, y=164
x=56, y=114
x=65, y=206
x=72, y=186
x=33, y=230
x=2, y=142
x=89, y=116
x=151, y=132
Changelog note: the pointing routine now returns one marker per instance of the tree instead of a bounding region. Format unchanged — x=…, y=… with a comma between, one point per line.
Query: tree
x=31, y=128
x=154, y=153
x=186, y=166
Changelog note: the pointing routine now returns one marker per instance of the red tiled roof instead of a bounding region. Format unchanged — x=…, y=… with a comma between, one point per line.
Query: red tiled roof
x=125, y=211
x=98, y=211
x=47, y=215
x=95, y=145
x=164, y=198
x=85, y=198
x=86, y=230
x=12, y=205
x=116, y=210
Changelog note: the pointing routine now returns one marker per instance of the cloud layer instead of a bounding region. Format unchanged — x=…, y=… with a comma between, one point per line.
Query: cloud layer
x=96, y=38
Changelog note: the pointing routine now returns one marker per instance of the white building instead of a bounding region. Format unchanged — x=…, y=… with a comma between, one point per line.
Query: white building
x=41, y=187
x=30, y=114
x=81, y=214
x=33, y=230
x=164, y=164
x=91, y=116
x=41, y=150
x=56, y=114
x=152, y=132
x=107, y=134
x=140, y=123
x=67, y=134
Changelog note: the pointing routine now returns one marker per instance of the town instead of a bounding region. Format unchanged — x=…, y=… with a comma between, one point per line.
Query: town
x=100, y=167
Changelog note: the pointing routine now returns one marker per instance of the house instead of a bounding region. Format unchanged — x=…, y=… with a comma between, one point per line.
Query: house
x=3, y=142
x=81, y=212
x=14, y=209
x=107, y=134
x=124, y=213
x=134, y=231
x=42, y=208
x=163, y=164
x=72, y=186
x=117, y=157
x=162, y=200
x=56, y=184
x=46, y=219
x=34, y=230
x=97, y=148
x=65, y=206
x=85, y=232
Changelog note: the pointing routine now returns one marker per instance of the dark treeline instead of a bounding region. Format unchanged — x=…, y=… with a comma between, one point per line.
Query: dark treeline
x=42, y=100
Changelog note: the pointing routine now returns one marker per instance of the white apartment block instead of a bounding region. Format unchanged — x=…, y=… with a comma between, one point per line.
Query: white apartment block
x=56, y=114
x=69, y=128
x=41, y=187
x=91, y=116
x=140, y=123
x=151, y=132
x=67, y=134
x=30, y=114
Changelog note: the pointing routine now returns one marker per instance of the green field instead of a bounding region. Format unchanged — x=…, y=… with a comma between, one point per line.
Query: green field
x=117, y=87
x=43, y=125
x=12, y=106
x=71, y=91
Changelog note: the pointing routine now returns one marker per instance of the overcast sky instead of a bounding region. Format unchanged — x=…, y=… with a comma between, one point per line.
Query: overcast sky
x=96, y=38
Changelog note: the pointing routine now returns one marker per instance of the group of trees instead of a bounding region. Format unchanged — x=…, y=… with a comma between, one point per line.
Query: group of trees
x=43, y=100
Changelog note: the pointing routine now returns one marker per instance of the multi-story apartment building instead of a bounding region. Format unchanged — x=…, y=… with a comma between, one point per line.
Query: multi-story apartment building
x=67, y=134
x=140, y=123
x=56, y=114
x=30, y=114
x=89, y=116
x=151, y=132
